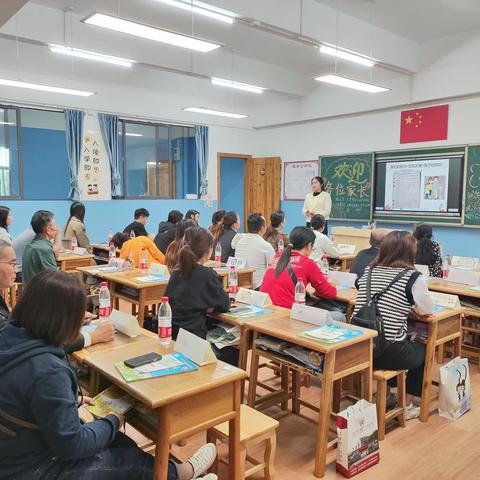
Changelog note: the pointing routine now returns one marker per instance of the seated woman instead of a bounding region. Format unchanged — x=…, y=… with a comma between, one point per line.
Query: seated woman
x=217, y=219
x=171, y=255
x=131, y=249
x=275, y=230
x=428, y=251
x=293, y=265
x=6, y=219
x=397, y=254
x=195, y=290
x=75, y=227
x=224, y=233
x=41, y=435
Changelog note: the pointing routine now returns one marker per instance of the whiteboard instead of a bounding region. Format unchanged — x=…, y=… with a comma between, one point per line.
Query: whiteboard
x=297, y=177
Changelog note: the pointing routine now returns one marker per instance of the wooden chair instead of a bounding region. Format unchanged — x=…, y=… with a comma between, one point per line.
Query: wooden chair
x=255, y=428
x=382, y=376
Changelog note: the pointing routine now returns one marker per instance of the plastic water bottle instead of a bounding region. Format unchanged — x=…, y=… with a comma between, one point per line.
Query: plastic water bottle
x=105, y=306
x=110, y=236
x=143, y=264
x=218, y=253
x=74, y=243
x=324, y=265
x=112, y=252
x=165, y=323
x=132, y=234
x=281, y=245
x=446, y=264
x=300, y=292
x=232, y=283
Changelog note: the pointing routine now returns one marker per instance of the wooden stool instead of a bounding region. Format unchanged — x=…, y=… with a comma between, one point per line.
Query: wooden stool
x=382, y=376
x=255, y=427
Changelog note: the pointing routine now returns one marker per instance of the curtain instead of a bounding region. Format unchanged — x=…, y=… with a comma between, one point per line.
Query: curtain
x=109, y=128
x=201, y=143
x=74, y=131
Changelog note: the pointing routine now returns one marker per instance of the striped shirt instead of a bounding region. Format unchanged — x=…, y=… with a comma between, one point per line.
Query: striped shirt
x=395, y=304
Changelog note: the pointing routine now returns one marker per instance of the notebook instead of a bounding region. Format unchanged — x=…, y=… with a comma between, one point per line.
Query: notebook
x=247, y=311
x=113, y=399
x=150, y=278
x=331, y=333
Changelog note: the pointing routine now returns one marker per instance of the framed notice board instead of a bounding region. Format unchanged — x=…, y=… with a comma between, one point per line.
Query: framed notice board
x=472, y=187
x=297, y=177
x=349, y=181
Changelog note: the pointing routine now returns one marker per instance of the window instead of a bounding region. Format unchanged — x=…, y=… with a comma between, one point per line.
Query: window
x=9, y=157
x=159, y=160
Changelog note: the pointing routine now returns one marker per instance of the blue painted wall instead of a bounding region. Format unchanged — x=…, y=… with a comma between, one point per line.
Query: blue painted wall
x=454, y=240
x=101, y=215
x=232, y=185
x=46, y=171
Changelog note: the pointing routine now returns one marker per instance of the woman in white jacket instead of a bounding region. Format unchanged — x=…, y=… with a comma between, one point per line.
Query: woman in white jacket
x=317, y=202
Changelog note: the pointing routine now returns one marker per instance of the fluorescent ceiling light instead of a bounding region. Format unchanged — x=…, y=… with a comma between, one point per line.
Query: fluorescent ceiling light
x=355, y=84
x=132, y=134
x=214, y=112
x=347, y=55
x=202, y=9
x=151, y=33
x=239, y=86
x=97, y=57
x=44, y=88
x=7, y=123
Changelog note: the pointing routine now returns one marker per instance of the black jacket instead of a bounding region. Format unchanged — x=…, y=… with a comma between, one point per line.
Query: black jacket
x=165, y=236
x=226, y=243
x=4, y=314
x=363, y=260
x=190, y=299
x=138, y=228
x=40, y=388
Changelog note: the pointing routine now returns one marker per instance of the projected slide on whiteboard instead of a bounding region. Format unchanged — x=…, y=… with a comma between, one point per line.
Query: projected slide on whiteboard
x=419, y=186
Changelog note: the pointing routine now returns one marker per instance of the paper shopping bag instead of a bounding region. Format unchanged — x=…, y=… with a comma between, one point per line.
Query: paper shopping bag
x=455, y=395
x=357, y=433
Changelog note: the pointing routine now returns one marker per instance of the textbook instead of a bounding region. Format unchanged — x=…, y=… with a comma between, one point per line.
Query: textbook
x=170, y=364
x=331, y=333
x=247, y=311
x=111, y=400
x=150, y=278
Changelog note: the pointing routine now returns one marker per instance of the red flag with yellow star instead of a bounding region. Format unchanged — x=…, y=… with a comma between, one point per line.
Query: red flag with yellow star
x=424, y=124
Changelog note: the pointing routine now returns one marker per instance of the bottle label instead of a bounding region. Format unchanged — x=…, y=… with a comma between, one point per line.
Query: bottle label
x=165, y=332
x=232, y=289
x=104, y=311
x=143, y=265
x=218, y=258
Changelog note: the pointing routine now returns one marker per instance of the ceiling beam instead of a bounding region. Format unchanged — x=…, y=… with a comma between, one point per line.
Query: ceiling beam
x=9, y=8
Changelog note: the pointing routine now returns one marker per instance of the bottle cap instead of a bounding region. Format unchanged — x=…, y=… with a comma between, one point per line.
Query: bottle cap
x=164, y=299
x=104, y=284
x=232, y=267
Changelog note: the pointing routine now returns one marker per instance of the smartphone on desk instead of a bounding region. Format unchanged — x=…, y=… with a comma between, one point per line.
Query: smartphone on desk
x=142, y=360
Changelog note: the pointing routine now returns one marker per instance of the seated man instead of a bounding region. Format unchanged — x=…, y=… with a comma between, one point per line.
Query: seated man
x=19, y=244
x=138, y=225
x=323, y=245
x=365, y=257
x=251, y=247
x=193, y=215
x=166, y=231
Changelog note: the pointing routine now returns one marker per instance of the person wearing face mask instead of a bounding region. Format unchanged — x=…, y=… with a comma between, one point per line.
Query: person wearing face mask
x=317, y=202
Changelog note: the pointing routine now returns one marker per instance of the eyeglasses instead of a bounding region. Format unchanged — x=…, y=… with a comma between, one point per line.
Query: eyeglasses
x=13, y=263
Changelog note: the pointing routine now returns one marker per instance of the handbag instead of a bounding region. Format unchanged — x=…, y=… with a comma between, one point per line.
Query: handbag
x=369, y=315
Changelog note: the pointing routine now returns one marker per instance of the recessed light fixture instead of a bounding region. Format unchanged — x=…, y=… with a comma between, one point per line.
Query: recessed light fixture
x=151, y=33
x=348, y=55
x=44, y=88
x=88, y=55
x=132, y=134
x=349, y=83
x=203, y=9
x=238, y=85
x=214, y=112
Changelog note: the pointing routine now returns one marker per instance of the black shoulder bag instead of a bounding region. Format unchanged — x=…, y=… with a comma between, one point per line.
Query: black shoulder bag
x=369, y=315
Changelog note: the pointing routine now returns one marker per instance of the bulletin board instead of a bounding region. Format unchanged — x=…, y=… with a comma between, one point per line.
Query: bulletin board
x=297, y=177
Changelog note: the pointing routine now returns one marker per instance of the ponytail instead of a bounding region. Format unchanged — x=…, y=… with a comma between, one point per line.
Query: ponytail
x=284, y=260
x=186, y=261
x=299, y=238
x=196, y=244
x=229, y=219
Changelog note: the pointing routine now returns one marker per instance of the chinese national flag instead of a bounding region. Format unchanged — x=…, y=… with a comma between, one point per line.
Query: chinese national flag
x=424, y=124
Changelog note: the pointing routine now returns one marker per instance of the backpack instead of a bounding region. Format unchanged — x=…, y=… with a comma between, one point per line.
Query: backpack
x=369, y=315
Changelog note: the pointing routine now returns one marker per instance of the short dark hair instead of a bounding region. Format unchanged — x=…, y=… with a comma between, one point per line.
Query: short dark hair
x=52, y=307
x=174, y=216
x=4, y=211
x=41, y=220
x=218, y=216
x=276, y=218
x=190, y=214
x=317, y=221
x=255, y=222
x=120, y=238
x=141, y=212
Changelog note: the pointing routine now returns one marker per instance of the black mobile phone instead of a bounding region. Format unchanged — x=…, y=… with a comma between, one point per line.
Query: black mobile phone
x=142, y=360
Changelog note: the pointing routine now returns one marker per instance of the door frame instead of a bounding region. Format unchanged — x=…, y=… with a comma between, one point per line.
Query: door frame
x=246, y=158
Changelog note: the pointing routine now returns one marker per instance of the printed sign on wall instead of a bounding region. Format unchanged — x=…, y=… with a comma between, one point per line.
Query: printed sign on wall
x=94, y=173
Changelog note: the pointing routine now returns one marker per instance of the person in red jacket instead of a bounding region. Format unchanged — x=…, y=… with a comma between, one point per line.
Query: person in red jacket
x=278, y=282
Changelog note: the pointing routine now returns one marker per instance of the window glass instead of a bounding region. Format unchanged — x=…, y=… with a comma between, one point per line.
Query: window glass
x=9, y=158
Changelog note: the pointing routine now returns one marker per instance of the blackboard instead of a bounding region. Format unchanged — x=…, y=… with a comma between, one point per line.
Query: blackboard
x=472, y=187
x=349, y=182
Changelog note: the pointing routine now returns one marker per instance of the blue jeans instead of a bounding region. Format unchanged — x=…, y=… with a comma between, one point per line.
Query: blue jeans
x=122, y=460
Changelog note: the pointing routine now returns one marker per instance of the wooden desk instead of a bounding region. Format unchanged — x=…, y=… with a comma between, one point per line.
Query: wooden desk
x=340, y=360
x=346, y=262
x=69, y=262
x=186, y=403
x=100, y=251
x=453, y=288
x=352, y=236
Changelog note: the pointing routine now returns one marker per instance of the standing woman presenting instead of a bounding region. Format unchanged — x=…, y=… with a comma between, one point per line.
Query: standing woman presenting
x=317, y=202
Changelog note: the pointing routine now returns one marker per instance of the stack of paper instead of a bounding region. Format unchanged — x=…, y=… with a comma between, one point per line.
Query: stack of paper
x=111, y=400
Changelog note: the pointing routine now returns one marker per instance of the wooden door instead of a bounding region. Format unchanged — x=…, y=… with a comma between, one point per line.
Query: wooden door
x=262, y=185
